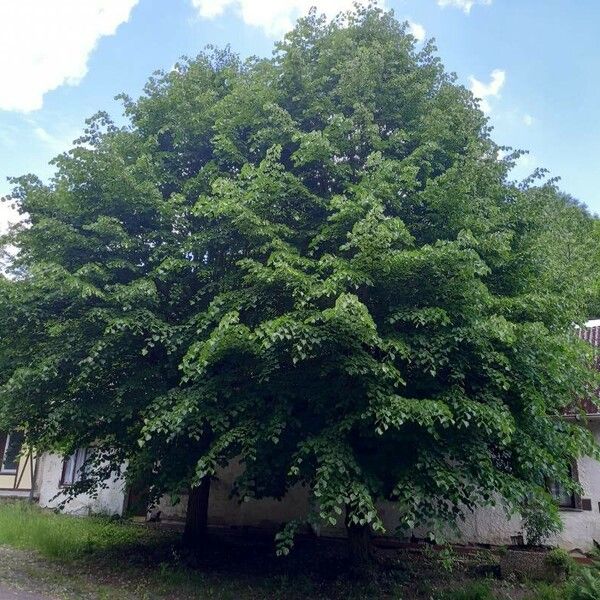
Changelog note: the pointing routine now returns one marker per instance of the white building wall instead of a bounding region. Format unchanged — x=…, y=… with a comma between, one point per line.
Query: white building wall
x=580, y=527
x=110, y=501
x=485, y=526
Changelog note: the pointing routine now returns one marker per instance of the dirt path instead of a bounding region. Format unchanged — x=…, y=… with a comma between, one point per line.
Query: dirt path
x=25, y=577
x=12, y=594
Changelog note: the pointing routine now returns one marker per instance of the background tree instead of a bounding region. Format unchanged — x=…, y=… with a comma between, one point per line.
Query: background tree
x=317, y=264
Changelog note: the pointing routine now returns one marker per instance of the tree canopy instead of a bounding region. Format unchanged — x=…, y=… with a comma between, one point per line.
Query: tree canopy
x=316, y=263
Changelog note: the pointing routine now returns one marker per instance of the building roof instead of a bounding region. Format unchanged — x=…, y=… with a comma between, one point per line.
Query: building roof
x=590, y=332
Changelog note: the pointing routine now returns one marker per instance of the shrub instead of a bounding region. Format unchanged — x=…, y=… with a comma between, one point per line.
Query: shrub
x=560, y=559
x=585, y=587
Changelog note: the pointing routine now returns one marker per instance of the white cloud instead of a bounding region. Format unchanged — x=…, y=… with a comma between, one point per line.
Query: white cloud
x=417, y=31
x=8, y=216
x=59, y=140
x=464, y=5
x=274, y=17
x=528, y=120
x=43, y=135
x=9, y=137
x=45, y=44
x=483, y=91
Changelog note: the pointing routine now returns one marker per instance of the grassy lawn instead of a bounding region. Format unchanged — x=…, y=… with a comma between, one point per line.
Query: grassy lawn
x=98, y=558
x=64, y=537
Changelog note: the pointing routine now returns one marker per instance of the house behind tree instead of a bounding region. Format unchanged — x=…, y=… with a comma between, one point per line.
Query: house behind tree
x=47, y=478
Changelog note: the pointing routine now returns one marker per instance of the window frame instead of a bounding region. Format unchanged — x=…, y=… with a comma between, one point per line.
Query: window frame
x=574, y=503
x=77, y=472
x=5, y=439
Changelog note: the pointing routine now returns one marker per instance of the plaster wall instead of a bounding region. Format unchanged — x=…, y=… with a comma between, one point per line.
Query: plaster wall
x=580, y=527
x=484, y=526
x=109, y=501
x=487, y=526
x=229, y=512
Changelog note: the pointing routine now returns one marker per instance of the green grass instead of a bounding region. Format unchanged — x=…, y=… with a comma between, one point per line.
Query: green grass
x=584, y=585
x=102, y=558
x=56, y=536
x=475, y=591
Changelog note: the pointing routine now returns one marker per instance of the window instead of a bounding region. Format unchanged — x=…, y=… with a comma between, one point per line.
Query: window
x=565, y=498
x=10, y=448
x=73, y=470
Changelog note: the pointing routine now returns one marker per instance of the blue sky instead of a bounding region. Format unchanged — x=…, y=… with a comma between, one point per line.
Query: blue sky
x=533, y=62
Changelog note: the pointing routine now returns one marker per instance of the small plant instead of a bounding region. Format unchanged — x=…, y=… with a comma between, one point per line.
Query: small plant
x=448, y=558
x=549, y=592
x=474, y=591
x=540, y=520
x=560, y=560
x=284, y=539
x=585, y=587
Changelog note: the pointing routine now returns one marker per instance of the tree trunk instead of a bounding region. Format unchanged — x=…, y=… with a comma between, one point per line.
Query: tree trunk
x=196, y=519
x=360, y=550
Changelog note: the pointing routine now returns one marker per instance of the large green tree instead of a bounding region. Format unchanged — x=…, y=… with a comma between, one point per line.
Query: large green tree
x=315, y=263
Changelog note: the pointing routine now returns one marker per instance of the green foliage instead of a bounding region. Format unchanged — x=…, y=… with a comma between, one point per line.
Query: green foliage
x=448, y=559
x=536, y=522
x=315, y=263
x=445, y=557
x=548, y=592
x=284, y=539
x=65, y=537
x=473, y=591
x=561, y=560
x=585, y=587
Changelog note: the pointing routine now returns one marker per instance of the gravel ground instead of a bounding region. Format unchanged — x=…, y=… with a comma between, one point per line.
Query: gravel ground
x=12, y=594
x=26, y=577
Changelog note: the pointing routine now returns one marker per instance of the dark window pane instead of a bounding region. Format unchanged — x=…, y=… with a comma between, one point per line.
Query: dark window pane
x=563, y=497
x=12, y=450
